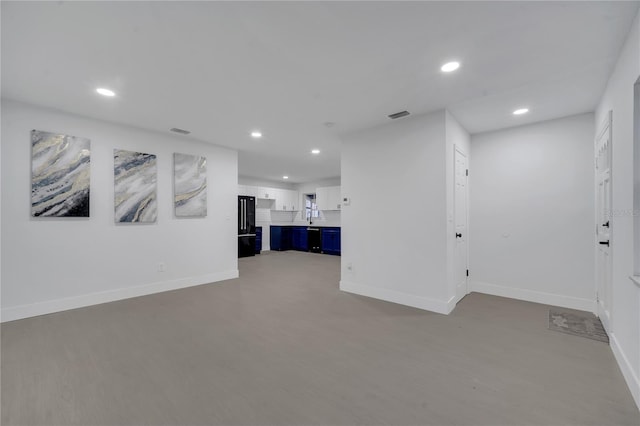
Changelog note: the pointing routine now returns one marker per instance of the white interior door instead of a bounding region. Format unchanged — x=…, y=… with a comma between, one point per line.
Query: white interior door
x=461, y=223
x=603, y=222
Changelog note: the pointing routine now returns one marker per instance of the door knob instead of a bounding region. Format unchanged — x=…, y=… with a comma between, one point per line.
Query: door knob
x=458, y=235
x=605, y=243
x=606, y=225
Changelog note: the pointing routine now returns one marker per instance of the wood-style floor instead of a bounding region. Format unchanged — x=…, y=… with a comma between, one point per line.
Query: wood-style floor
x=282, y=345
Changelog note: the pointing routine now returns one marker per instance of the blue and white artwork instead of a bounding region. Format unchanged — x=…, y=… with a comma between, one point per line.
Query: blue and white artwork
x=60, y=175
x=190, y=185
x=135, y=186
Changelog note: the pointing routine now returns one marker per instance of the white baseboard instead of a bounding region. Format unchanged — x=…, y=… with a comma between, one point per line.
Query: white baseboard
x=58, y=305
x=534, y=296
x=455, y=299
x=433, y=305
x=627, y=371
x=605, y=317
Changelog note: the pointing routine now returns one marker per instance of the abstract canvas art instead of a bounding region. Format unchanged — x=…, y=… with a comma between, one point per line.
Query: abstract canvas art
x=135, y=186
x=60, y=175
x=190, y=185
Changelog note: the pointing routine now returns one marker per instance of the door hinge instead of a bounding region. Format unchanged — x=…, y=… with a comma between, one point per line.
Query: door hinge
x=467, y=272
x=467, y=172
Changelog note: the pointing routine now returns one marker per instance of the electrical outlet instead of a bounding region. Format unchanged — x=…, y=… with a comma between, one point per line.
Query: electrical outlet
x=161, y=267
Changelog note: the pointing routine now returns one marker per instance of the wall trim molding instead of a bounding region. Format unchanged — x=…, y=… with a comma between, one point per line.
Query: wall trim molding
x=604, y=315
x=627, y=370
x=58, y=305
x=455, y=299
x=427, y=304
x=534, y=296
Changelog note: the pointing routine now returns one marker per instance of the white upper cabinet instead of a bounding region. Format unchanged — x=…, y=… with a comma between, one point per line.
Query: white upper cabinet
x=281, y=201
x=328, y=198
x=257, y=191
x=335, y=197
x=322, y=198
x=275, y=194
x=294, y=199
x=265, y=193
x=285, y=199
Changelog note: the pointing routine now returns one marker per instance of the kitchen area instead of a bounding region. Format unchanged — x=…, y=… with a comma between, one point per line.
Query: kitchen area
x=306, y=218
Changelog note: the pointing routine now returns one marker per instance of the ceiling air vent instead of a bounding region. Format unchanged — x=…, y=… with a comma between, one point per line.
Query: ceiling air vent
x=181, y=131
x=399, y=115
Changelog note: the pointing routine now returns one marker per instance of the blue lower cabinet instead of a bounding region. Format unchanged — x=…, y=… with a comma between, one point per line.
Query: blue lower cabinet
x=299, y=238
x=285, y=241
x=276, y=238
x=258, y=239
x=280, y=238
x=331, y=241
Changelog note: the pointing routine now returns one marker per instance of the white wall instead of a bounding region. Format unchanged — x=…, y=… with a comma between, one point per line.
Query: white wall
x=1, y=243
x=393, y=233
x=636, y=172
x=625, y=312
x=456, y=137
x=533, y=213
x=52, y=264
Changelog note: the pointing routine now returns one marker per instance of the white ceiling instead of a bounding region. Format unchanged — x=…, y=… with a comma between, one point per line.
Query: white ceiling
x=222, y=70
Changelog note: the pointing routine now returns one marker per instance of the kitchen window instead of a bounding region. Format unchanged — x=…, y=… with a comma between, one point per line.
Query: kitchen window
x=310, y=207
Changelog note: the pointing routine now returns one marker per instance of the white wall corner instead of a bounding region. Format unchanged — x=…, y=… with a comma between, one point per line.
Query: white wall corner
x=533, y=296
x=58, y=305
x=427, y=304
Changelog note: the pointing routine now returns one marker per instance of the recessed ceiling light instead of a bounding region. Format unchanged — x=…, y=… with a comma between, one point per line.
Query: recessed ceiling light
x=315, y=151
x=256, y=135
x=521, y=111
x=285, y=177
x=105, y=92
x=450, y=66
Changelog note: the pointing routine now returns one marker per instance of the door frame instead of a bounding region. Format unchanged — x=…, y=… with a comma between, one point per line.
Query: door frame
x=605, y=127
x=458, y=149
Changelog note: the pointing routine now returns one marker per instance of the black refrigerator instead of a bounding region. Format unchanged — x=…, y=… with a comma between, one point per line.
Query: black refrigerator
x=246, y=226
